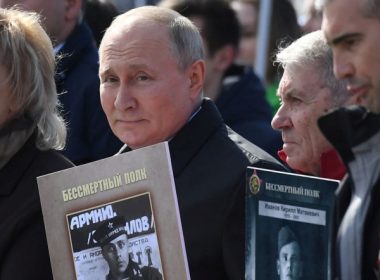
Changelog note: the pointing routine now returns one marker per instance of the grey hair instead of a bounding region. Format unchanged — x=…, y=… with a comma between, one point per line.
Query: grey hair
x=26, y=53
x=312, y=49
x=185, y=39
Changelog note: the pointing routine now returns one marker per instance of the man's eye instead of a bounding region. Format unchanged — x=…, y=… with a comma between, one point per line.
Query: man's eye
x=110, y=249
x=350, y=42
x=109, y=79
x=121, y=244
x=294, y=100
x=142, y=77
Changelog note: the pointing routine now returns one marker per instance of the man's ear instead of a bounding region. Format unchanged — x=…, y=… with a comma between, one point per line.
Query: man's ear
x=196, y=74
x=73, y=8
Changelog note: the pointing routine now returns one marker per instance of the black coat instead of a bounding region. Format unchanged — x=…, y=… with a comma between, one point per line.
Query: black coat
x=355, y=133
x=23, y=245
x=209, y=163
x=244, y=108
x=89, y=135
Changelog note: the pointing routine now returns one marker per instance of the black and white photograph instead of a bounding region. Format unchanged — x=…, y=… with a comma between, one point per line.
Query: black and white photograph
x=290, y=250
x=116, y=241
x=288, y=226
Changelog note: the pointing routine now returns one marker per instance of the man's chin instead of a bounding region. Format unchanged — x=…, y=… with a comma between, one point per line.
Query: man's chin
x=122, y=267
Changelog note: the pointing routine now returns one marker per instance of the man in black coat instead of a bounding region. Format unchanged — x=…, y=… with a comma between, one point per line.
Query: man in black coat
x=152, y=74
x=352, y=29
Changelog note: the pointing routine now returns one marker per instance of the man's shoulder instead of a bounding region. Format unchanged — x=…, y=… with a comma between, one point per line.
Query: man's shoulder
x=254, y=154
x=212, y=141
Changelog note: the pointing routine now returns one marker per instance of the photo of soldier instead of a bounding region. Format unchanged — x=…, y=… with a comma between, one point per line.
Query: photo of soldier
x=133, y=216
x=112, y=238
x=297, y=251
x=289, y=255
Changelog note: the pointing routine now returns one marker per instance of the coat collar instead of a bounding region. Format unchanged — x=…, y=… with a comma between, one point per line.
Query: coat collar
x=355, y=133
x=191, y=138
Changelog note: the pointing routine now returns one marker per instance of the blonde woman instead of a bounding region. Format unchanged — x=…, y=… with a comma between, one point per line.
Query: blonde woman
x=30, y=132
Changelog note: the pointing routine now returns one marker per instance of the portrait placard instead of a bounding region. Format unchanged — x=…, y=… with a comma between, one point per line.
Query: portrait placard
x=288, y=225
x=138, y=187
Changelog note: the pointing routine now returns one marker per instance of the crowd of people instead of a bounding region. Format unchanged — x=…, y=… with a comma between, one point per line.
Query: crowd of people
x=82, y=80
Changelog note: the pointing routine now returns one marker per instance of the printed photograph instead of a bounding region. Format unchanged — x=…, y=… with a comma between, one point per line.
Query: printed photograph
x=288, y=250
x=117, y=240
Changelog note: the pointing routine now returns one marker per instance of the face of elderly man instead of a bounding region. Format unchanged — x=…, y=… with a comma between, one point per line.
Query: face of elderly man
x=355, y=41
x=147, y=98
x=304, y=98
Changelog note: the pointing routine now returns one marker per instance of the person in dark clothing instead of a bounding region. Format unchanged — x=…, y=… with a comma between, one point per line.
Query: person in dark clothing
x=355, y=133
x=243, y=107
x=352, y=30
x=151, y=91
x=89, y=136
x=283, y=29
x=31, y=132
x=112, y=238
x=236, y=90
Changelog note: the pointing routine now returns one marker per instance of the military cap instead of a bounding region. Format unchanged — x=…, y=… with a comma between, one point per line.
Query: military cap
x=285, y=236
x=109, y=230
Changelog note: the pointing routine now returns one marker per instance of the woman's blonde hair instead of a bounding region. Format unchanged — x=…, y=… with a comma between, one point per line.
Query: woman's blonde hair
x=27, y=55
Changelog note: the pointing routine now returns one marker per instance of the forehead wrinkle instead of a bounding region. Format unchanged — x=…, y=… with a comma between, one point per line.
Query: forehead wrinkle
x=113, y=56
x=134, y=45
x=285, y=87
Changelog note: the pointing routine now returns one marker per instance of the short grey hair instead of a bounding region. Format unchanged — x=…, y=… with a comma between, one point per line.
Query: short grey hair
x=313, y=50
x=185, y=39
x=26, y=53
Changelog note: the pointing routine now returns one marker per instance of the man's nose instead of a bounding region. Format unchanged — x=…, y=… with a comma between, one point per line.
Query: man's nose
x=281, y=119
x=343, y=66
x=124, y=99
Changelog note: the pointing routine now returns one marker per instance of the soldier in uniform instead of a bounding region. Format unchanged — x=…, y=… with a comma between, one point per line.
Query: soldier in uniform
x=289, y=263
x=113, y=240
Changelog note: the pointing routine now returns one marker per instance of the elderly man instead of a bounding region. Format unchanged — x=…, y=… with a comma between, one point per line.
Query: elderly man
x=352, y=29
x=307, y=90
x=152, y=73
